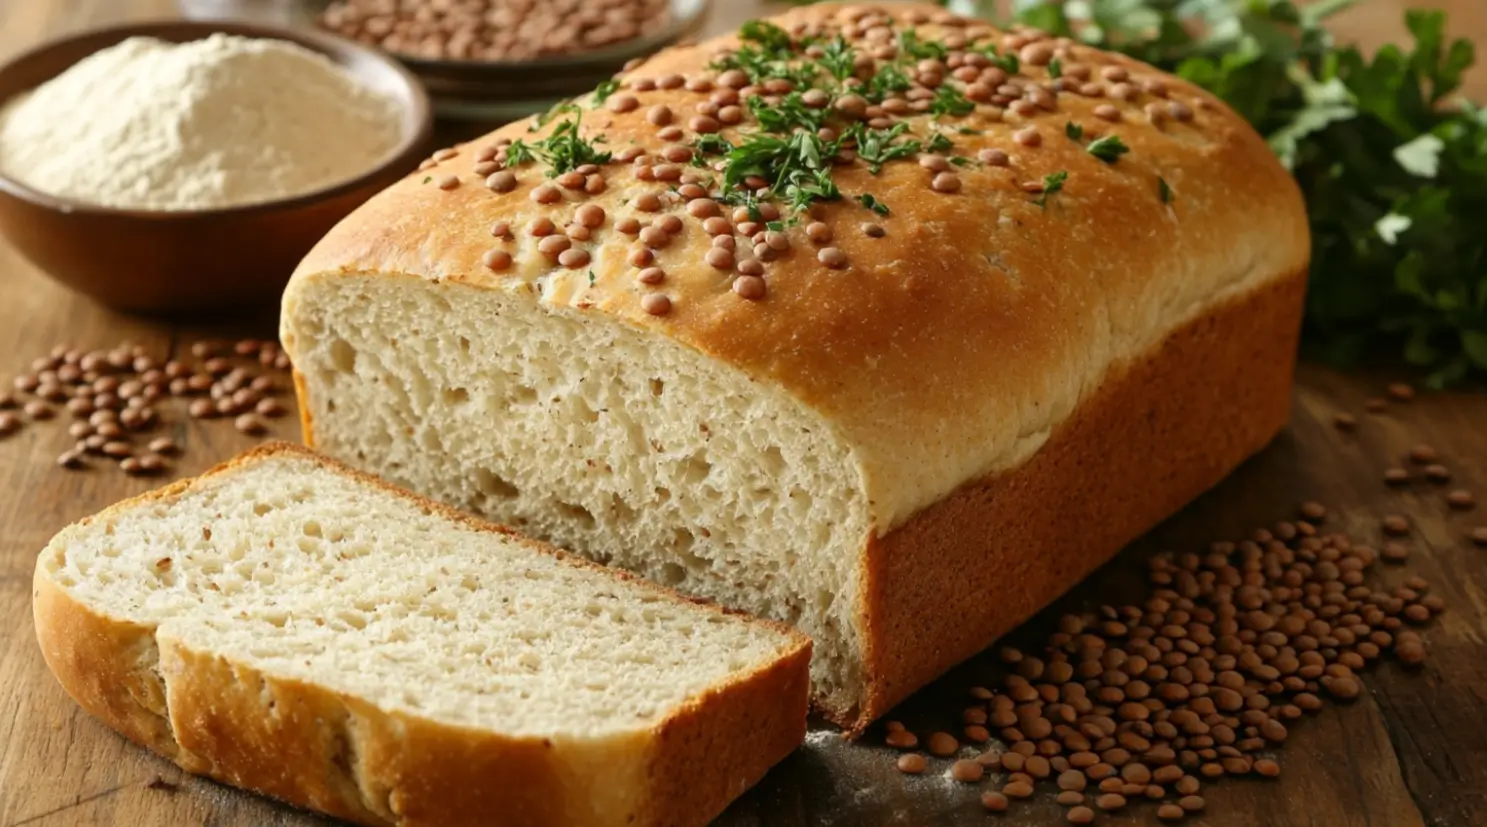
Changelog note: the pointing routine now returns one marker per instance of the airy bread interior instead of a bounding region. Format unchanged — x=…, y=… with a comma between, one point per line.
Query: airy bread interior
x=305, y=573
x=627, y=447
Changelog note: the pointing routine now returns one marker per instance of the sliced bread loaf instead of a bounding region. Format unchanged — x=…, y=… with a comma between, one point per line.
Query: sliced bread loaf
x=290, y=626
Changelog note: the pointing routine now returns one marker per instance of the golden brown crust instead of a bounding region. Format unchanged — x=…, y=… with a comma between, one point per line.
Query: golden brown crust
x=1165, y=429
x=977, y=319
x=375, y=767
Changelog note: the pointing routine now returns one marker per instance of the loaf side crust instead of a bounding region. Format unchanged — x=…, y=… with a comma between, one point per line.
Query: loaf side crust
x=352, y=760
x=1159, y=432
x=946, y=349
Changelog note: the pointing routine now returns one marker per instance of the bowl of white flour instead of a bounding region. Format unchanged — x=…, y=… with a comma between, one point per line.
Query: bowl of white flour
x=183, y=166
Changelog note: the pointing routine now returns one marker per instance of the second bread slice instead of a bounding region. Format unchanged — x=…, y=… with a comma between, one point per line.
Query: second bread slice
x=289, y=626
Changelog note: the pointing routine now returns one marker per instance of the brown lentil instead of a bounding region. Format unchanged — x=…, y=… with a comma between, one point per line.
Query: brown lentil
x=966, y=771
x=912, y=763
x=942, y=744
x=995, y=802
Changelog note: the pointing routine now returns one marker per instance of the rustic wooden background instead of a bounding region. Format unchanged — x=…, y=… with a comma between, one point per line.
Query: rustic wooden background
x=1412, y=752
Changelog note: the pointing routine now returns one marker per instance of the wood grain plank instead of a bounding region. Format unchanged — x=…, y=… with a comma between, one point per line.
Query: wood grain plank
x=1411, y=752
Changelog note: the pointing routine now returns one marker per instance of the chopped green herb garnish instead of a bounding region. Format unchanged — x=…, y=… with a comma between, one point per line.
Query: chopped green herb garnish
x=1008, y=62
x=1055, y=68
x=712, y=144
x=961, y=161
x=604, y=90
x=839, y=59
x=873, y=204
x=1108, y=149
x=1164, y=190
x=966, y=130
x=788, y=115
x=889, y=79
x=766, y=34
x=427, y=178
x=1051, y=185
x=563, y=151
x=776, y=226
x=877, y=147
x=591, y=278
x=798, y=168
x=1074, y=131
x=950, y=101
x=939, y=143
x=910, y=44
x=768, y=53
x=518, y=153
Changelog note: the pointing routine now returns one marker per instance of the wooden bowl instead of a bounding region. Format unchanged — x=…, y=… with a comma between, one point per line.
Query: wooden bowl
x=171, y=262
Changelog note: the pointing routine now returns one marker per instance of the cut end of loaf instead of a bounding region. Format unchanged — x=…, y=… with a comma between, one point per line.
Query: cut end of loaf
x=600, y=437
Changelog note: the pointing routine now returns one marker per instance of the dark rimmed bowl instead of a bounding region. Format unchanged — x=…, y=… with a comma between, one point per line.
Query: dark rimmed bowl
x=172, y=262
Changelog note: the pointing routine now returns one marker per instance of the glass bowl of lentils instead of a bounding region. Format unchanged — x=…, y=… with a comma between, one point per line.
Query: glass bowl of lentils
x=497, y=60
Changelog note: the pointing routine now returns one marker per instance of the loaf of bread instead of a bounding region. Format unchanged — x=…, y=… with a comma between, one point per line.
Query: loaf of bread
x=290, y=626
x=871, y=319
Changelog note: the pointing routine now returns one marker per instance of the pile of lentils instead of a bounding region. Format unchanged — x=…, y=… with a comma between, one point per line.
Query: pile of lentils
x=494, y=30
x=749, y=149
x=1201, y=681
x=116, y=398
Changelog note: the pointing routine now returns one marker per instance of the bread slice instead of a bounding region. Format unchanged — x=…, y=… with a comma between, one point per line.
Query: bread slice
x=290, y=626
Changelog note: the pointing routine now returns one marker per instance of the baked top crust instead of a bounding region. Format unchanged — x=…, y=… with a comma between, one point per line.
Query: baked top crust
x=944, y=339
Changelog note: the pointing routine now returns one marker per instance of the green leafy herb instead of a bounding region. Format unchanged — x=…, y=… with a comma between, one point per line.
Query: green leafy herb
x=798, y=168
x=961, y=161
x=939, y=143
x=711, y=144
x=966, y=130
x=591, y=278
x=888, y=79
x=910, y=45
x=563, y=151
x=1052, y=184
x=1164, y=190
x=1055, y=68
x=1074, y=131
x=767, y=53
x=873, y=204
x=877, y=147
x=839, y=58
x=776, y=226
x=1108, y=149
x=950, y=101
x=604, y=90
x=427, y=178
x=1008, y=62
x=519, y=152
x=766, y=34
x=788, y=115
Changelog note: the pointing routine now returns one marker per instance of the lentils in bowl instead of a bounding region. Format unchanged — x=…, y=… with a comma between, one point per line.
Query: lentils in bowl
x=494, y=30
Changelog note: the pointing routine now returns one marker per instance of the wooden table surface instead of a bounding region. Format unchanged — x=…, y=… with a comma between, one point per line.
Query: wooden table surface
x=1413, y=751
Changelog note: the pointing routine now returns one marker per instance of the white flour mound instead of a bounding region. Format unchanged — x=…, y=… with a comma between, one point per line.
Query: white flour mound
x=220, y=122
